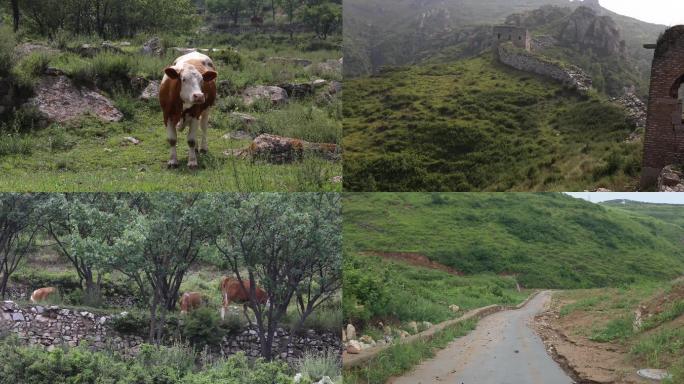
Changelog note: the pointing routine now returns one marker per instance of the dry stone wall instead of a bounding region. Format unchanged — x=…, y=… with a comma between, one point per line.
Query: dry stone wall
x=529, y=62
x=53, y=326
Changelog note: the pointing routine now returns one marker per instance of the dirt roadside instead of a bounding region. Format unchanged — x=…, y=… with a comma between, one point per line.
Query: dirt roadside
x=586, y=361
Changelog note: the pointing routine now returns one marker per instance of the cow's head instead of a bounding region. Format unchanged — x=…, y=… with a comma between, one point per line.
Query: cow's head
x=191, y=82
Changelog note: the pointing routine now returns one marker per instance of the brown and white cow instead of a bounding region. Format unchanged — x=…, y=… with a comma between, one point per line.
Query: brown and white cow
x=186, y=93
x=233, y=291
x=41, y=294
x=190, y=301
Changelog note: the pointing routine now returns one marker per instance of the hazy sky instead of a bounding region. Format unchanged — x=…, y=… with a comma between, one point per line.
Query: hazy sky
x=668, y=12
x=649, y=197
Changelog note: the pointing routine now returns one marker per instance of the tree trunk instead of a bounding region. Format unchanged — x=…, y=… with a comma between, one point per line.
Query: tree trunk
x=153, y=318
x=15, y=14
x=273, y=9
x=3, y=285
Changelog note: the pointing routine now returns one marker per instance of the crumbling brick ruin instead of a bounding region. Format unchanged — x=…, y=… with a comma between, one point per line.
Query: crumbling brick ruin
x=519, y=36
x=664, y=139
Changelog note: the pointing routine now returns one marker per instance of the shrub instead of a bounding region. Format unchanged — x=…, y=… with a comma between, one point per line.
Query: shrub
x=313, y=366
x=32, y=67
x=133, y=323
x=15, y=144
x=7, y=55
x=230, y=58
x=201, y=328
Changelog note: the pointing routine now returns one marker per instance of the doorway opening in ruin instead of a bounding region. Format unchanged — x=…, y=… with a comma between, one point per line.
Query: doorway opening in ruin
x=677, y=92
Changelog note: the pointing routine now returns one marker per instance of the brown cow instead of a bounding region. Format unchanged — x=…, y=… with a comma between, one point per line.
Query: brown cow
x=41, y=294
x=257, y=21
x=233, y=291
x=186, y=93
x=190, y=301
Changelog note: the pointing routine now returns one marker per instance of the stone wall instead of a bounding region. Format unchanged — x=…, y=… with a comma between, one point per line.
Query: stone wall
x=525, y=61
x=664, y=138
x=52, y=326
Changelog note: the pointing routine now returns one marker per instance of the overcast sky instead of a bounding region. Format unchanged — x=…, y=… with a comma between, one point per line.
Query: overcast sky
x=667, y=12
x=649, y=197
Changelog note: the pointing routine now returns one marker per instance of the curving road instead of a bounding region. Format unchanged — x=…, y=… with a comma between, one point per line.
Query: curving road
x=503, y=349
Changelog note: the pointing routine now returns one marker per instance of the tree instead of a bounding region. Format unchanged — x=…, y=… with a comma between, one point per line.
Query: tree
x=323, y=18
x=86, y=228
x=160, y=244
x=255, y=7
x=231, y=8
x=18, y=229
x=287, y=243
x=15, y=14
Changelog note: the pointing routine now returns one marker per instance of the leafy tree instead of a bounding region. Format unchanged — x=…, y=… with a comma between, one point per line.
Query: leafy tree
x=18, y=229
x=291, y=7
x=161, y=243
x=323, y=18
x=289, y=244
x=231, y=8
x=255, y=7
x=86, y=228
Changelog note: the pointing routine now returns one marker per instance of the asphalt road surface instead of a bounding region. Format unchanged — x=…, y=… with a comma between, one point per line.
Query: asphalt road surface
x=503, y=349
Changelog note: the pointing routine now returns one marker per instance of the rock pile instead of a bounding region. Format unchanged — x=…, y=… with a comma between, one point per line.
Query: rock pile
x=280, y=150
x=636, y=109
x=670, y=179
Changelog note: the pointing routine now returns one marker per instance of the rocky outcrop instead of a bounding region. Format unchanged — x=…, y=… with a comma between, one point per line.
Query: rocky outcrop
x=289, y=61
x=522, y=60
x=585, y=29
x=276, y=95
x=60, y=101
x=671, y=179
x=635, y=108
x=151, y=91
x=280, y=150
x=153, y=47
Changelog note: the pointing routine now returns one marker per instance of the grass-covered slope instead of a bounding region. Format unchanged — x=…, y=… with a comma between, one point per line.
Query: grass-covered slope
x=478, y=125
x=549, y=240
x=671, y=213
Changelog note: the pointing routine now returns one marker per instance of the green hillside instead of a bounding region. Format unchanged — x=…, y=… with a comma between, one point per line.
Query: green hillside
x=478, y=125
x=671, y=213
x=548, y=240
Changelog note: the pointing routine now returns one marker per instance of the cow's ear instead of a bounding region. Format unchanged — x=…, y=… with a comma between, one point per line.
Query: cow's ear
x=209, y=75
x=171, y=72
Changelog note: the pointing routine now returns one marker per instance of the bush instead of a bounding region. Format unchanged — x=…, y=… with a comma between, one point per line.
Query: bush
x=15, y=144
x=133, y=323
x=314, y=366
x=230, y=58
x=7, y=55
x=32, y=67
x=202, y=328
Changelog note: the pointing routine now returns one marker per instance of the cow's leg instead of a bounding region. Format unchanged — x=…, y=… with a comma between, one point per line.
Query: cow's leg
x=192, y=143
x=225, y=306
x=204, y=147
x=172, y=138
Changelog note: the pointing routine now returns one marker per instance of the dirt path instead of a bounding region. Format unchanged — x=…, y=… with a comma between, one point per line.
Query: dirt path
x=503, y=349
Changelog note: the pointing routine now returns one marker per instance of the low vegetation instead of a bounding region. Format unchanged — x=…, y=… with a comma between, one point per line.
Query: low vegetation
x=401, y=358
x=477, y=125
x=516, y=234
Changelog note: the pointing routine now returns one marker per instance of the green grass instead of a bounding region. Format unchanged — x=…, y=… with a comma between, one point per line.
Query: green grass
x=548, y=240
x=657, y=347
x=401, y=358
x=616, y=329
x=477, y=125
x=397, y=293
x=90, y=155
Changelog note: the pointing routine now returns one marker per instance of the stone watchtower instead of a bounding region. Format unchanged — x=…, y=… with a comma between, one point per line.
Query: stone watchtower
x=518, y=35
x=664, y=139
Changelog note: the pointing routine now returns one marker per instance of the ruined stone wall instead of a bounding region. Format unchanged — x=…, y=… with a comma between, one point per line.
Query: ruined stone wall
x=664, y=139
x=529, y=62
x=518, y=36
x=52, y=326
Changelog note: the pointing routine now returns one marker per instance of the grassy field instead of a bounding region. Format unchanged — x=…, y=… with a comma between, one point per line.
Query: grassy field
x=610, y=315
x=476, y=125
x=546, y=240
x=90, y=155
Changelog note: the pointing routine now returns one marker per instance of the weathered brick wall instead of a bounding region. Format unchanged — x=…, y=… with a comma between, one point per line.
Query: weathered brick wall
x=664, y=140
x=520, y=37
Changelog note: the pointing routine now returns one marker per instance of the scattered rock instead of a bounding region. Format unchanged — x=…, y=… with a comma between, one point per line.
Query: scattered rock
x=52, y=71
x=325, y=380
x=654, y=374
x=351, y=332
x=454, y=308
x=109, y=46
x=329, y=66
x=238, y=135
x=27, y=48
x=153, y=47
x=670, y=179
x=354, y=347
x=131, y=140
x=184, y=51
x=603, y=190
x=318, y=83
x=59, y=100
x=367, y=340
x=335, y=87
x=426, y=324
x=298, y=90
x=87, y=50
x=403, y=334
x=635, y=108
x=277, y=95
x=151, y=92
x=289, y=61
x=336, y=179
x=243, y=118
x=413, y=327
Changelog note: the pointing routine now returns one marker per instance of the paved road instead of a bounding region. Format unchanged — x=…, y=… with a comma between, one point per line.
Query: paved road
x=503, y=349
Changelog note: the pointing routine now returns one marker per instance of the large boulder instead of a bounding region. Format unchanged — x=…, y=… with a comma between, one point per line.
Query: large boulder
x=60, y=101
x=351, y=332
x=279, y=149
x=354, y=347
x=151, y=92
x=277, y=95
x=298, y=90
